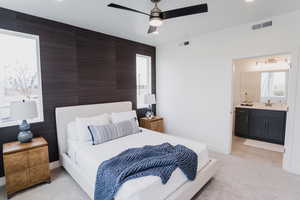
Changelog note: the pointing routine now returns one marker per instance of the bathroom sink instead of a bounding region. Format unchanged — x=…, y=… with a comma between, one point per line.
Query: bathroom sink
x=247, y=104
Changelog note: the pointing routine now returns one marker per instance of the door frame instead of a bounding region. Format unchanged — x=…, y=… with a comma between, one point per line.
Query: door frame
x=291, y=114
x=291, y=101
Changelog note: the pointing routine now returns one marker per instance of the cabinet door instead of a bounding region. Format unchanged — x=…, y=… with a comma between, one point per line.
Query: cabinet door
x=38, y=156
x=39, y=174
x=241, y=122
x=276, y=127
x=258, y=124
x=17, y=181
x=15, y=162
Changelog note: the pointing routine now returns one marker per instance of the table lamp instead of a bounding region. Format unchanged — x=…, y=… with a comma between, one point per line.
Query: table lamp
x=24, y=110
x=150, y=100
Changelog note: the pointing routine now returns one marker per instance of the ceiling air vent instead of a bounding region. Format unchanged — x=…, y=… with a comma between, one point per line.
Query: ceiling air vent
x=185, y=43
x=262, y=25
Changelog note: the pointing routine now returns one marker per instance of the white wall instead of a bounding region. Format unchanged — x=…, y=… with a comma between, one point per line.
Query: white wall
x=194, y=83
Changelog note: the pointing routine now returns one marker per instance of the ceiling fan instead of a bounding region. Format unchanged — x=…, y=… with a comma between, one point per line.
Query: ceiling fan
x=157, y=16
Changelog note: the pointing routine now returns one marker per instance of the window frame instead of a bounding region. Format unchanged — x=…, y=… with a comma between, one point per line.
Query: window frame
x=40, y=106
x=149, y=75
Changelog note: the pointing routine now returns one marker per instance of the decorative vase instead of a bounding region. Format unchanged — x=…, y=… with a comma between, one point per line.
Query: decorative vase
x=25, y=135
x=149, y=114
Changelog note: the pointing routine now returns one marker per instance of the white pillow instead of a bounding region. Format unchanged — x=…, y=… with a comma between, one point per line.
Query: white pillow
x=72, y=131
x=105, y=133
x=124, y=116
x=82, y=124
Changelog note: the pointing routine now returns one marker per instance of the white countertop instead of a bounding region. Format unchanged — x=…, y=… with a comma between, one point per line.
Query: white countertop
x=261, y=106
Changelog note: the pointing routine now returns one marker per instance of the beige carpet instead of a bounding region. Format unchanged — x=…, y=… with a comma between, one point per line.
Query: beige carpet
x=259, y=155
x=237, y=179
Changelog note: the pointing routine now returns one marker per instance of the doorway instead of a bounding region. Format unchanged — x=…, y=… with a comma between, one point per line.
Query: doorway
x=260, y=106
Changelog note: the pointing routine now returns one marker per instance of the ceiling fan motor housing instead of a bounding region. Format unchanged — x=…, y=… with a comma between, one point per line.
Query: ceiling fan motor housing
x=155, y=1
x=155, y=12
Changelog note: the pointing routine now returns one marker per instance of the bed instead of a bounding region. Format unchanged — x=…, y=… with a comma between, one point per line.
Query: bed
x=82, y=161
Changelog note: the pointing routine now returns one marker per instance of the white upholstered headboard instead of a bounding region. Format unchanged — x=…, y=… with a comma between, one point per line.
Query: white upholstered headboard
x=64, y=115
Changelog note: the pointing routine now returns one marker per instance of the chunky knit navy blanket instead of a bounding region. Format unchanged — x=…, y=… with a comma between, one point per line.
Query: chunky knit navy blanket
x=160, y=160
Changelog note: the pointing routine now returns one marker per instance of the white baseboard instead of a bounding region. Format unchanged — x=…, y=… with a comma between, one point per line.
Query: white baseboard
x=2, y=181
x=52, y=166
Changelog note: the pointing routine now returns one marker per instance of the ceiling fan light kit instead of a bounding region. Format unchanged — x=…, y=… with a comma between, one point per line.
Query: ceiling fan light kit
x=157, y=16
x=156, y=21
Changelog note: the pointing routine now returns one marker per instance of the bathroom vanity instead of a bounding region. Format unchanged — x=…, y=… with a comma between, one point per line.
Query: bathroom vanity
x=261, y=123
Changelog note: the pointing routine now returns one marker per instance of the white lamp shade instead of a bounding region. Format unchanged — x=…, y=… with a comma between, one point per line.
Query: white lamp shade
x=23, y=110
x=150, y=99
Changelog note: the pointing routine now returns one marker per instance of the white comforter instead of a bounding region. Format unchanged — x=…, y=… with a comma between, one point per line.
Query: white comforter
x=88, y=158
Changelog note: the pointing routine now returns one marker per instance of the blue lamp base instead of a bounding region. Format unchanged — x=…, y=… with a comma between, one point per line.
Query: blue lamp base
x=25, y=135
x=149, y=114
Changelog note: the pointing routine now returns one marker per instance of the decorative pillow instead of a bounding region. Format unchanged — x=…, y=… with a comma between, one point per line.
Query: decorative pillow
x=82, y=124
x=105, y=133
x=124, y=116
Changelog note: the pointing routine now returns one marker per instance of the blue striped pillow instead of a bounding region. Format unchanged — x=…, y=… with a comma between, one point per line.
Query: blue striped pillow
x=105, y=133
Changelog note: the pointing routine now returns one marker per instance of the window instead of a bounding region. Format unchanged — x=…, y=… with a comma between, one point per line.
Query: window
x=20, y=73
x=274, y=86
x=143, y=75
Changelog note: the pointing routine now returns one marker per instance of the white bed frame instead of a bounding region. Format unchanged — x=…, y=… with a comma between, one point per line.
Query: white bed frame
x=64, y=115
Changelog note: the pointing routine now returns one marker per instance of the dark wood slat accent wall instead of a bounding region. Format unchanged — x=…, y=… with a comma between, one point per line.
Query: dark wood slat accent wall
x=78, y=67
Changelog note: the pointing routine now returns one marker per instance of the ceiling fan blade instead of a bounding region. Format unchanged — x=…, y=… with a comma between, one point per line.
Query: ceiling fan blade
x=152, y=29
x=202, y=8
x=112, y=5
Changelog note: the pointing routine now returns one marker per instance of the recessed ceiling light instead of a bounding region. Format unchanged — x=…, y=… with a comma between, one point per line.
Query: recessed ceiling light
x=249, y=1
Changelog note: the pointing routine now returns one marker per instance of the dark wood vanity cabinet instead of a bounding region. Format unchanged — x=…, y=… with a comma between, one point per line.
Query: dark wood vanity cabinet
x=242, y=122
x=264, y=125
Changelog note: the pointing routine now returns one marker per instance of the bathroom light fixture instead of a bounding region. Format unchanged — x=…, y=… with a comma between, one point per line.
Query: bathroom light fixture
x=249, y=1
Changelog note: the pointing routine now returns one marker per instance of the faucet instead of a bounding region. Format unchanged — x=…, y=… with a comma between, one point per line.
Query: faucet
x=269, y=103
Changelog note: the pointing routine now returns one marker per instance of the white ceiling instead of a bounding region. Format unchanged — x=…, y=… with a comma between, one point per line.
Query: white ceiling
x=95, y=15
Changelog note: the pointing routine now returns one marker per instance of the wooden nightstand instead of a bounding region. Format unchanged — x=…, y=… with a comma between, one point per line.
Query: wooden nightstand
x=25, y=165
x=155, y=124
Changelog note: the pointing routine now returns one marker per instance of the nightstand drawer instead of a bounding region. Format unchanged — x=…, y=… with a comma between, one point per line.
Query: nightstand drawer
x=17, y=181
x=38, y=156
x=157, y=126
x=39, y=174
x=15, y=162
